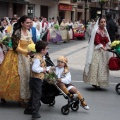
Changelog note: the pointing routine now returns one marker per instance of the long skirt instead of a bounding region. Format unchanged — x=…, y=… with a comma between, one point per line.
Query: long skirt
x=9, y=77
x=98, y=72
x=14, y=77
x=71, y=34
x=57, y=38
x=65, y=35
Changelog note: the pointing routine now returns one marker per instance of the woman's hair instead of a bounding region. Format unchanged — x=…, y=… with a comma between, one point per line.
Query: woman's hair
x=100, y=19
x=21, y=20
x=40, y=45
x=16, y=36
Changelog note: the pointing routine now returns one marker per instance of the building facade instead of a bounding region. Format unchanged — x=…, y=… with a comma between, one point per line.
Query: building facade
x=68, y=9
x=45, y=8
x=10, y=7
x=110, y=6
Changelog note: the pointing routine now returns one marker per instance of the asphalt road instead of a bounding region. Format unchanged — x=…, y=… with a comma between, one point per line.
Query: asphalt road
x=104, y=104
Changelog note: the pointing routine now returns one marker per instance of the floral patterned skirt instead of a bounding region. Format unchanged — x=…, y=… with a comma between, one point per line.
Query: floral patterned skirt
x=65, y=35
x=9, y=77
x=98, y=73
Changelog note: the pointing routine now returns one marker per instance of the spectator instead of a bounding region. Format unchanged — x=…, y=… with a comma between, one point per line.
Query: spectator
x=111, y=27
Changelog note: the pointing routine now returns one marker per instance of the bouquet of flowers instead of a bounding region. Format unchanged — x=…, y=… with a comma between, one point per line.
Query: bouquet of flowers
x=56, y=26
x=51, y=77
x=31, y=47
x=116, y=46
x=6, y=40
x=67, y=27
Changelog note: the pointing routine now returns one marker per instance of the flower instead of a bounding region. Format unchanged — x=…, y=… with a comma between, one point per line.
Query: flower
x=56, y=26
x=116, y=46
x=6, y=40
x=51, y=77
x=31, y=47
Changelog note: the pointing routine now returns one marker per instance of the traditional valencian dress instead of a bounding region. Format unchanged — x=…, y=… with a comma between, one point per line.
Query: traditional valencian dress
x=64, y=32
x=55, y=34
x=15, y=70
x=70, y=31
x=97, y=73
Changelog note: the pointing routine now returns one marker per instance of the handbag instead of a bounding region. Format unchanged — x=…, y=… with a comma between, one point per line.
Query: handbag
x=114, y=63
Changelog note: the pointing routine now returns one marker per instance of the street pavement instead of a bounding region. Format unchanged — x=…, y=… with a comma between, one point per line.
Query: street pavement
x=104, y=104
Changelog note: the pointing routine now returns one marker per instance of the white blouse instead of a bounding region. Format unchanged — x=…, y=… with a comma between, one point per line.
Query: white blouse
x=66, y=79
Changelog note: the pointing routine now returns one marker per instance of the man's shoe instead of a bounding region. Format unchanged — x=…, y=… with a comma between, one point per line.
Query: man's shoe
x=28, y=112
x=36, y=115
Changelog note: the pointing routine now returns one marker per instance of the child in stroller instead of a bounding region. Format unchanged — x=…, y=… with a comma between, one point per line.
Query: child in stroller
x=66, y=88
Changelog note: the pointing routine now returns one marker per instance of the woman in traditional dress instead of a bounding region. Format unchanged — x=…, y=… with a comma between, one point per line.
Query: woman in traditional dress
x=64, y=31
x=70, y=24
x=96, y=70
x=15, y=69
x=55, y=34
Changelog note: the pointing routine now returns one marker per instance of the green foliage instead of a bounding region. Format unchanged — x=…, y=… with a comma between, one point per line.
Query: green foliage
x=6, y=40
x=51, y=77
x=56, y=26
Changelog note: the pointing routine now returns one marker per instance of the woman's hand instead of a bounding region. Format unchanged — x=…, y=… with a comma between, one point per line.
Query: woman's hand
x=30, y=53
x=105, y=49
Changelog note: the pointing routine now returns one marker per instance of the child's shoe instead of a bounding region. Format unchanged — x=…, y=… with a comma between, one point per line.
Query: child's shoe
x=85, y=106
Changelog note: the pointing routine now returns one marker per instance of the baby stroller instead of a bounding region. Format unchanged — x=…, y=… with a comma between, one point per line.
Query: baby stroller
x=117, y=88
x=50, y=91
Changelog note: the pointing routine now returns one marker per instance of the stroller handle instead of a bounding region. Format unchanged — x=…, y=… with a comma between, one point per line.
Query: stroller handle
x=112, y=50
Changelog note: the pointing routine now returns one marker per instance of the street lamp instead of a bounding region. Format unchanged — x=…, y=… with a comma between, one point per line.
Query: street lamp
x=85, y=12
x=101, y=3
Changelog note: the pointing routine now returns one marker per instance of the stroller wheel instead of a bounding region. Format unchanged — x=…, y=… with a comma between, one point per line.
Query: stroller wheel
x=118, y=88
x=74, y=106
x=65, y=110
x=52, y=104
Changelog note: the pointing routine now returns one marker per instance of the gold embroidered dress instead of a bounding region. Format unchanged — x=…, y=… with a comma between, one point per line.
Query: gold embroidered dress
x=15, y=72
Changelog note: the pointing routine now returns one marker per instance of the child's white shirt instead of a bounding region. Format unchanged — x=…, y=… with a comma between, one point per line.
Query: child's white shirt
x=66, y=79
x=36, y=66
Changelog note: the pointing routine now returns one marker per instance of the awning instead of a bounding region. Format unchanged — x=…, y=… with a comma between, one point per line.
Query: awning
x=16, y=1
x=65, y=7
